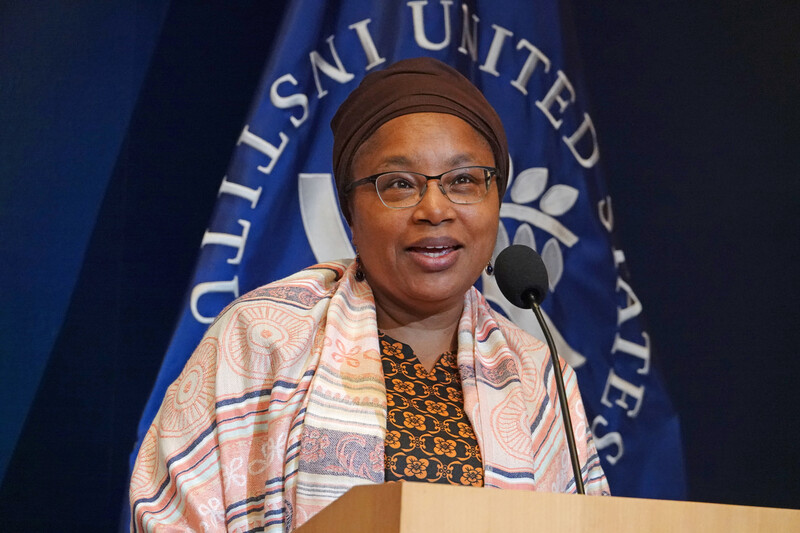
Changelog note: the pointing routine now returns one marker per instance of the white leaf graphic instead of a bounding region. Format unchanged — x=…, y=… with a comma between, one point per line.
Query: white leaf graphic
x=558, y=199
x=502, y=241
x=524, y=235
x=529, y=185
x=510, y=179
x=554, y=261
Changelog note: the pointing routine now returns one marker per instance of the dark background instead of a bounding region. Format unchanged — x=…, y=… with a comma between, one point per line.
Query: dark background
x=117, y=122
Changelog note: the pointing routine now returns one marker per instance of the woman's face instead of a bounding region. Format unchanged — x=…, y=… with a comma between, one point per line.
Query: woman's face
x=423, y=258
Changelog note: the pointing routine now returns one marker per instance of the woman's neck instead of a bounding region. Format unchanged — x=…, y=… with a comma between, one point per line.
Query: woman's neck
x=429, y=336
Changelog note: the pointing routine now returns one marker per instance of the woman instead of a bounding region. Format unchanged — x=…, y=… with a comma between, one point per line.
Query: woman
x=388, y=367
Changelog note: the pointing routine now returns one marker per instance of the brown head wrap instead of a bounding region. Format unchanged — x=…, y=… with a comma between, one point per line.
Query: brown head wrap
x=420, y=85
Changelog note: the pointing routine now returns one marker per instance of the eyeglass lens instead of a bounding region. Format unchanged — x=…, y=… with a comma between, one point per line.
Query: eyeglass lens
x=404, y=189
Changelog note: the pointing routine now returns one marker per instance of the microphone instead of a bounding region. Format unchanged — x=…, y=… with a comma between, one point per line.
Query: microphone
x=522, y=278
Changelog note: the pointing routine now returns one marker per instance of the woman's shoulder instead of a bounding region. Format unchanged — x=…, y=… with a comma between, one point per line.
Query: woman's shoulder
x=311, y=283
x=516, y=335
x=518, y=340
x=302, y=290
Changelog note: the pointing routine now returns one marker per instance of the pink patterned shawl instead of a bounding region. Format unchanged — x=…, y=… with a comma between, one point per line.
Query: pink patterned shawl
x=282, y=408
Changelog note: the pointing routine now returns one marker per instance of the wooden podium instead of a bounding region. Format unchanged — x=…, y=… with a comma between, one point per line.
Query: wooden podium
x=428, y=507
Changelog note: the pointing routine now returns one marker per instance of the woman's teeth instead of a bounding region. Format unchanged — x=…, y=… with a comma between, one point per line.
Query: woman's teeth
x=436, y=251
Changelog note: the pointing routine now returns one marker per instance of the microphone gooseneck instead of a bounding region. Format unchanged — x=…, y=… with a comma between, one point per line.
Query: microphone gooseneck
x=522, y=278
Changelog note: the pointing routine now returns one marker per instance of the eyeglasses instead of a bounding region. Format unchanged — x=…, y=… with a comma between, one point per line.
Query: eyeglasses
x=401, y=189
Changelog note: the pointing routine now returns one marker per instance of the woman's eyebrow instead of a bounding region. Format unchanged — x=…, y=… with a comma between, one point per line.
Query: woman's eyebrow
x=404, y=163
x=396, y=160
x=460, y=159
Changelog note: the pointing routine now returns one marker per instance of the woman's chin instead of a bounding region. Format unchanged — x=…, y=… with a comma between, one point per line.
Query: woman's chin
x=433, y=292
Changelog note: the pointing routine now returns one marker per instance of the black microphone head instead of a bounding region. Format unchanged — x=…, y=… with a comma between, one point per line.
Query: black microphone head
x=521, y=276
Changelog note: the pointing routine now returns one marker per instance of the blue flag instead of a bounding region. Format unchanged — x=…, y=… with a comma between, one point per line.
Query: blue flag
x=277, y=210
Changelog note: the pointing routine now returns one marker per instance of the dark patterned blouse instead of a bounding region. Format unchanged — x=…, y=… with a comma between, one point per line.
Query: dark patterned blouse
x=428, y=435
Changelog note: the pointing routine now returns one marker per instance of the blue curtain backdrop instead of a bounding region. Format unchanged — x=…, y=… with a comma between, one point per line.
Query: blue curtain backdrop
x=118, y=123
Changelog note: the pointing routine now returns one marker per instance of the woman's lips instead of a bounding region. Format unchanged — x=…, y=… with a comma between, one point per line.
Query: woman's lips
x=433, y=251
x=434, y=258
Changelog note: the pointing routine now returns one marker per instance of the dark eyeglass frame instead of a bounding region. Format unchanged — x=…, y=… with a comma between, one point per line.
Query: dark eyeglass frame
x=490, y=172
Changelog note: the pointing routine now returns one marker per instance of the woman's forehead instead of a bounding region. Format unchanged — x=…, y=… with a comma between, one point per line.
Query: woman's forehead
x=417, y=138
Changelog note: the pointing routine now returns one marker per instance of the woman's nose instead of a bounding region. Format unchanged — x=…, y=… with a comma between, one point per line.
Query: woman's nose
x=434, y=207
